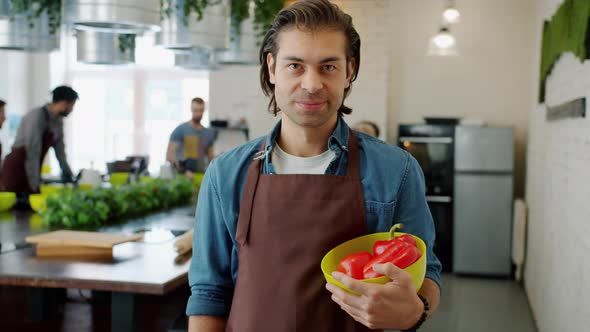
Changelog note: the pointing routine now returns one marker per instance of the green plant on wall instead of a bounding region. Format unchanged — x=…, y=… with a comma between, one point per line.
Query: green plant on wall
x=240, y=11
x=264, y=13
x=126, y=42
x=566, y=32
x=168, y=7
x=33, y=9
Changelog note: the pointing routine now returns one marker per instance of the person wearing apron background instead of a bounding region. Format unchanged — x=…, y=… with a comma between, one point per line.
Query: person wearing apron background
x=269, y=210
x=2, y=119
x=190, y=148
x=40, y=129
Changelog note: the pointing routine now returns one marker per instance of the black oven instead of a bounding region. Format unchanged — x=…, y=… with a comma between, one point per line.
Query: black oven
x=433, y=148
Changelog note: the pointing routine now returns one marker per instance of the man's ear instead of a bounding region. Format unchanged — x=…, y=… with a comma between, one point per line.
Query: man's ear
x=351, y=68
x=270, y=62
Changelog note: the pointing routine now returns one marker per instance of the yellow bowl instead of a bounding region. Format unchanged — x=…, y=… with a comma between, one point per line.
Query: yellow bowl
x=85, y=187
x=7, y=200
x=50, y=189
x=45, y=169
x=365, y=243
x=197, y=179
x=118, y=178
x=37, y=201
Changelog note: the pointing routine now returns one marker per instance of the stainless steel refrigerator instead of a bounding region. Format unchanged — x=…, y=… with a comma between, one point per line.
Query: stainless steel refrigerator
x=482, y=213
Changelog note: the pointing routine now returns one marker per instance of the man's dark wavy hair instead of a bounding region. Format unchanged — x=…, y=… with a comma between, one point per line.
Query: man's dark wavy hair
x=311, y=15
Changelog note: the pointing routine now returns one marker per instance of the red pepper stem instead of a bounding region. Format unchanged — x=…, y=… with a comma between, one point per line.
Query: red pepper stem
x=393, y=229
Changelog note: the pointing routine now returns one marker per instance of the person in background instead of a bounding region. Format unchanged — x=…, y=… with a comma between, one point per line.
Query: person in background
x=40, y=129
x=367, y=127
x=2, y=119
x=190, y=148
x=269, y=210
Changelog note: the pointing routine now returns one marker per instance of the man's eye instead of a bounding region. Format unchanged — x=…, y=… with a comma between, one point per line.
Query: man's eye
x=329, y=67
x=294, y=66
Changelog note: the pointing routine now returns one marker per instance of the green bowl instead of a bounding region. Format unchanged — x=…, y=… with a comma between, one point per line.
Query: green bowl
x=119, y=178
x=50, y=189
x=365, y=243
x=197, y=179
x=7, y=200
x=37, y=202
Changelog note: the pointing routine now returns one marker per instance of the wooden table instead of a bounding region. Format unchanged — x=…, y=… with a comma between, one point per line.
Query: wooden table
x=136, y=268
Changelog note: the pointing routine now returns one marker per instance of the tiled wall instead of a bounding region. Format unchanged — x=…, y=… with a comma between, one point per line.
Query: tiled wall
x=557, y=272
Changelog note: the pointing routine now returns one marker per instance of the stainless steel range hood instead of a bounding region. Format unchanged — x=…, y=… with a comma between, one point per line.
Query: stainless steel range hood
x=124, y=16
x=104, y=48
x=18, y=34
x=197, y=59
x=211, y=32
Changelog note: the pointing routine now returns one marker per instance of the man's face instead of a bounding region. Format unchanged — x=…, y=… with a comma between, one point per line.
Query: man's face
x=310, y=75
x=2, y=116
x=197, y=110
x=65, y=108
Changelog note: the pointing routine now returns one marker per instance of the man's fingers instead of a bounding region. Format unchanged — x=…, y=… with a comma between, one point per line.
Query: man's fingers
x=358, y=286
x=344, y=297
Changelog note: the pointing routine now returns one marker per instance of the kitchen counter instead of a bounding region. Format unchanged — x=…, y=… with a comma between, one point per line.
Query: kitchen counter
x=151, y=266
x=16, y=225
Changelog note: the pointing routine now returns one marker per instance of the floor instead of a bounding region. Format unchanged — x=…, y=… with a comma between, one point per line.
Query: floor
x=468, y=305
x=83, y=311
x=482, y=305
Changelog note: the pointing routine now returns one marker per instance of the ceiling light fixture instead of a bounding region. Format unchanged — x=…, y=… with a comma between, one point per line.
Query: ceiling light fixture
x=443, y=44
x=451, y=15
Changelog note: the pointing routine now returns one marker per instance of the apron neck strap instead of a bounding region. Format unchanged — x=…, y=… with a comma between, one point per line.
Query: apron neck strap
x=353, y=165
x=353, y=168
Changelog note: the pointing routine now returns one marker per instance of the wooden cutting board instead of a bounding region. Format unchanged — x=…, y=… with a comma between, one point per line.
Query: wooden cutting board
x=80, y=244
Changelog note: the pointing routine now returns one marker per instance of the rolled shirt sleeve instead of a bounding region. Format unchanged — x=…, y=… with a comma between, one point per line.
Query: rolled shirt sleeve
x=210, y=275
x=413, y=212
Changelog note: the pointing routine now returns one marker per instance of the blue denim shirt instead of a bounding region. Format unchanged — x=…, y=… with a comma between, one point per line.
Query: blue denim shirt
x=393, y=187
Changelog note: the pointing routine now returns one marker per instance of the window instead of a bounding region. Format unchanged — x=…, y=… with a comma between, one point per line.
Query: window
x=102, y=123
x=167, y=106
x=128, y=110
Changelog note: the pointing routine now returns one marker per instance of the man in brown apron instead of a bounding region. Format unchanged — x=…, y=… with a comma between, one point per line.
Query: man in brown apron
x=40, y=129
x=290, y=217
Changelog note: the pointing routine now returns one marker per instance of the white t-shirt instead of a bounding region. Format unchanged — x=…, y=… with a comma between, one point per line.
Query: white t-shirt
x=285, y=163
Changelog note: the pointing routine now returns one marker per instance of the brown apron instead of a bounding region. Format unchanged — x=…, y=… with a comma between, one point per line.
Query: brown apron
x=287, y=223
x=14, y=175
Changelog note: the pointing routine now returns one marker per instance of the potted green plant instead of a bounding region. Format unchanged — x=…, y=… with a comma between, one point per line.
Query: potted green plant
x=33, y=9
x=264, y=13
x=187, y=6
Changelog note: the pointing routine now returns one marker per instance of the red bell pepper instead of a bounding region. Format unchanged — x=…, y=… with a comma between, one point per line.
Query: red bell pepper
x=353, y=264
x=401, y=254
x=407, y=238
x=380, y=246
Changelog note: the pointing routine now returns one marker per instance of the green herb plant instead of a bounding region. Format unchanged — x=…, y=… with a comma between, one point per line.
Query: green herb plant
x=99, y=207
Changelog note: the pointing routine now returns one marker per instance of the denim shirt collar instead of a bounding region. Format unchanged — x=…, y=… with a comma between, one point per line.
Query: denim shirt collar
x=337, y=142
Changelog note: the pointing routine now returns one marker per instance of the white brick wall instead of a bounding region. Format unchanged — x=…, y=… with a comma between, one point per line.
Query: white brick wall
x=557, y=271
